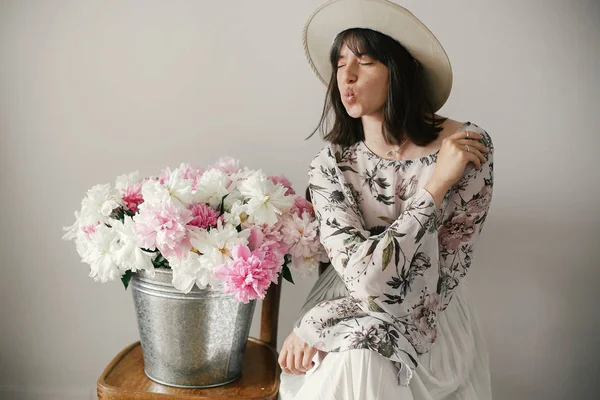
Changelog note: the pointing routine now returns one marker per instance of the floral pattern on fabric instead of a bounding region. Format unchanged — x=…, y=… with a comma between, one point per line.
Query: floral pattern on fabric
x=400, y=258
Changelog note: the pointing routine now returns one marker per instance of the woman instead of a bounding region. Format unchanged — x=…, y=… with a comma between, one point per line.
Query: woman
x=401, y=195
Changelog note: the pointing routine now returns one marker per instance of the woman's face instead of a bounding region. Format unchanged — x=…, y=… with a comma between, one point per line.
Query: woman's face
x=362, y=82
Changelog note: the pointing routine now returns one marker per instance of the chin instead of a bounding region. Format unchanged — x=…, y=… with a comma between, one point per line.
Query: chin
x=354, y=112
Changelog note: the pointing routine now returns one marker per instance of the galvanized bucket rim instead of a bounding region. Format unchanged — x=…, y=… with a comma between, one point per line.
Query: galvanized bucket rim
x=165, y=279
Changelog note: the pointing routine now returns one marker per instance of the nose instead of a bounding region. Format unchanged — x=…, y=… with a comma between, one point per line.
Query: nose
x=349, y=74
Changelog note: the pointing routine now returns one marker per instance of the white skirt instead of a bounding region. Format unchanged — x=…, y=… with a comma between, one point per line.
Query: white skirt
x=456, y=368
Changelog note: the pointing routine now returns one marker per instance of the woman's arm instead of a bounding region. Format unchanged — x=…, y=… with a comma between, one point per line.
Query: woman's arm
x=398, y=267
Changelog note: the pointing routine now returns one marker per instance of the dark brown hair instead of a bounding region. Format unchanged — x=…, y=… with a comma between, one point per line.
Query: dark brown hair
x=407, y=108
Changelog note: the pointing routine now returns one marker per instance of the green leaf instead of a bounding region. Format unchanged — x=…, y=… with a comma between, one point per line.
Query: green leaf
x=338, y=157
x=387, y=219
x=160, y=262
x=287, y=274
x=222, y=206
x=373, y=306
x=372, y=247
x=386, y=349
x=315, y=187
x=126, y=278
x=118, y=214
x=387, y=253
x=345, y=168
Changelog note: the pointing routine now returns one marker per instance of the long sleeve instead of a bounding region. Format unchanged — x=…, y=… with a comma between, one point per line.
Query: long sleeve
x=401, y=279
x=366, y=262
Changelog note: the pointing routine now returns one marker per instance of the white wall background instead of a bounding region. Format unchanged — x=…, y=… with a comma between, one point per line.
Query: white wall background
x=93, y=89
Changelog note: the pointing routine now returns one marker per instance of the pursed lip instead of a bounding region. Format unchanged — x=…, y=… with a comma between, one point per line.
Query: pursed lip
x=349, y=95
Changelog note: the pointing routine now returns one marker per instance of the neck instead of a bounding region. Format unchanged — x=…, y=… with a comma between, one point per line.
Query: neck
x=373, y=128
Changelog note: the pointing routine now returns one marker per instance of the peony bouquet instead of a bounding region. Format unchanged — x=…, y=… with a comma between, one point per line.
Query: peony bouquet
x=226, y=226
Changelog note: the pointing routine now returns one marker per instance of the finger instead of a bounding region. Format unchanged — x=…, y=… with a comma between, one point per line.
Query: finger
x=463, y=135
x=290, y=363
x=307, y=362
x=298, y=357
x=282, y=358
x=479, y=155
x=473, y=144
x=474, y=156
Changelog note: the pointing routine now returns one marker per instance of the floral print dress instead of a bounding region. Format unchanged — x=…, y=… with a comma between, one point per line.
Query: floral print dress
x=400, y=258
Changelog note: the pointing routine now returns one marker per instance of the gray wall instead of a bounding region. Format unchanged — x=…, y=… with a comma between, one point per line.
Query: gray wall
x=93, y=89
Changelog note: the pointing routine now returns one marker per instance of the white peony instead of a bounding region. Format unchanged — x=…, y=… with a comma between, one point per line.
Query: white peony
x=154, y=193
x=100, y=253
x=176, y=189
x=212, y=186
x=124, y=181
x=185, y=271
x=216, y=245
x=189, y=270
x=128, y=255
x=266, y=200
x=305, y=266
x=72, y=231
x=180, y=188
x=98, y=204
x=236, y=215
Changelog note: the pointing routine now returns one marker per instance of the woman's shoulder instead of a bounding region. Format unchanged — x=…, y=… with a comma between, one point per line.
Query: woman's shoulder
x=457, y=126
x=487, y=139
x=330, y=154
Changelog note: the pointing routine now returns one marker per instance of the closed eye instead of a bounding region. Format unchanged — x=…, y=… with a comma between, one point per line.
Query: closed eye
x=364, y=63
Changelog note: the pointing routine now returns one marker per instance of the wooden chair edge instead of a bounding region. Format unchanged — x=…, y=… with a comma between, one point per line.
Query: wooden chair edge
x=108, y=392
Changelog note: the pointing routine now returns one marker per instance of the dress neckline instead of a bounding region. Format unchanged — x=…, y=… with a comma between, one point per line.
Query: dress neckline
x=430, y=157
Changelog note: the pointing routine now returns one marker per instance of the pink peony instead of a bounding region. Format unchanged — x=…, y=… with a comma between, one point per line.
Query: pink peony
x=164, y=176
x=301, y=234
x=284, y=182
x=246, y=276
x=255, y=239
x=228, y=165
x=270, y=252
x=272, y=255
x=272, y=233
x=164, y=227
x=187, y=171
x=203, y=216
x=301, y=205
x=132, y=196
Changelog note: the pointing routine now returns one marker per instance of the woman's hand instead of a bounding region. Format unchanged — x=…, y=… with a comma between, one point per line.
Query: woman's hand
x=456, y=152
x=296, y=355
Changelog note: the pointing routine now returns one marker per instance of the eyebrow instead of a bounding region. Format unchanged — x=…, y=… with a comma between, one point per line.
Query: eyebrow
x=359, y=55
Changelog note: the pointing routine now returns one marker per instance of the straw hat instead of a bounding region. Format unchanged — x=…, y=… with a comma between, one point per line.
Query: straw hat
x=335, y=16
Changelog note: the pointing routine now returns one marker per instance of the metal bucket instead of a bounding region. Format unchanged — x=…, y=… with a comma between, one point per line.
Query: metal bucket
x=193, y=340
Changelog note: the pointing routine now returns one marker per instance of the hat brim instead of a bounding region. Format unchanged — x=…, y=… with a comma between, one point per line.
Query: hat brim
x=335, y=16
